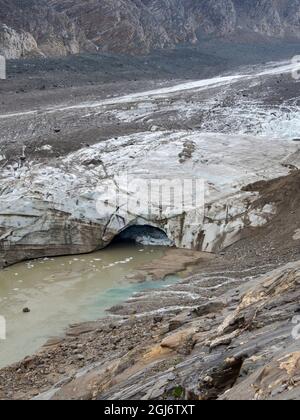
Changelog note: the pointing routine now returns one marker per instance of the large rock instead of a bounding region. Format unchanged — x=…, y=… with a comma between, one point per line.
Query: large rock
x=15, y=44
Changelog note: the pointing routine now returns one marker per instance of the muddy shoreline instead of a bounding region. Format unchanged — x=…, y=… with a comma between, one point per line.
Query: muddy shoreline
x=173, y=262
x=22, y=286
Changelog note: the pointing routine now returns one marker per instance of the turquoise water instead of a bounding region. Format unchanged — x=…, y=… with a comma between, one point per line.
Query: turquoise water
x=67, y=290
x=120, y=294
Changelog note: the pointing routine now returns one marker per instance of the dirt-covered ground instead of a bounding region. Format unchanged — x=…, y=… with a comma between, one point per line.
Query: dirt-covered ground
x=36, y=115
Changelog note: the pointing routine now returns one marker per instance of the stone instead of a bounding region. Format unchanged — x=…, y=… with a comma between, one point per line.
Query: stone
x=179, y=320
x=178, y=339
x=225, y=340
x=26, y=310
x=17, y=44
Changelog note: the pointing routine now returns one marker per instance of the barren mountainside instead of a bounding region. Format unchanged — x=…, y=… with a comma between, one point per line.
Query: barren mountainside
x=61, y=27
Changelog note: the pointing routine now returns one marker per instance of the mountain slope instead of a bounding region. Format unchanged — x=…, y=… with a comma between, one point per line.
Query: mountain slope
x=61, y=27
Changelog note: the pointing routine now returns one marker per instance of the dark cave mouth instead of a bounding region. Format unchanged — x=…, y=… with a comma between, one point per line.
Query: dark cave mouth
x=144, y=235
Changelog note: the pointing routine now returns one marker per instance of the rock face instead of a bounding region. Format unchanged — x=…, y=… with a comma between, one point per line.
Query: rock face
x=51, y=31
x=137, y=26
x=15, y=44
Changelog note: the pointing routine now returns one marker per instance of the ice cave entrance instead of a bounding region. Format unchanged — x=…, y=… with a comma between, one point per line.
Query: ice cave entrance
x=144, y=235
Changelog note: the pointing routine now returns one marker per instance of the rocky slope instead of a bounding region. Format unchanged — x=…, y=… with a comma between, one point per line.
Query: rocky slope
x=52, y=33
x=137, y=26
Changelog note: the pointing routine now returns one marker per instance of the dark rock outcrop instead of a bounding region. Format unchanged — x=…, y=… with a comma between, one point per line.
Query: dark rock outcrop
x=137, y=26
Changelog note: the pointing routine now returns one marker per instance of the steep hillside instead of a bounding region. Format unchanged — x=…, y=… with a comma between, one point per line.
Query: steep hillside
x=61, y=27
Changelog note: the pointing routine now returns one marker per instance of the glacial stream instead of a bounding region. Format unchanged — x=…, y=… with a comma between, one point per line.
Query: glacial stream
x=66, y=290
